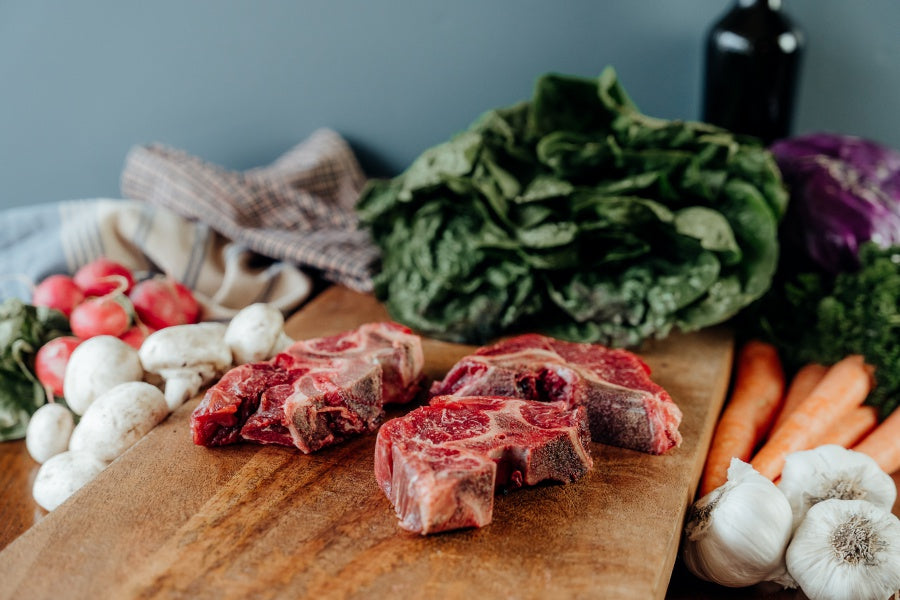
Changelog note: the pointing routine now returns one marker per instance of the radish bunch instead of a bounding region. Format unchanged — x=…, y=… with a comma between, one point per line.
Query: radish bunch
x=104, y=298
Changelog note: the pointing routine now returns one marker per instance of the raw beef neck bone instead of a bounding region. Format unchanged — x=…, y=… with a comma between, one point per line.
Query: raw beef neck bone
x=316, y=393
x=624, y=406
x=440, y=465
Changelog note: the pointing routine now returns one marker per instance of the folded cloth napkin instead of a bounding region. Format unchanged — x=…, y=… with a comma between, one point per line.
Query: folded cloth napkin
x=60, y=237
x=300, y=209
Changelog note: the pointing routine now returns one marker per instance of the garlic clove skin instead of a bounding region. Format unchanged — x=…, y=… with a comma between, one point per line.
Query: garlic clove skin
x=832, y=471
x=846, y=550
x=737, y=534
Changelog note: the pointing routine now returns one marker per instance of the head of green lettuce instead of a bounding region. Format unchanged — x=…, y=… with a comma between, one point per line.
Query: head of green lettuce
x=576, y=215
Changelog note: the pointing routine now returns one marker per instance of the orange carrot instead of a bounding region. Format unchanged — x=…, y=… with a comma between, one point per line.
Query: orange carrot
x=755, y=399
x=844, y=387
x=850, y=430
x=883, y=444
x=805, y=379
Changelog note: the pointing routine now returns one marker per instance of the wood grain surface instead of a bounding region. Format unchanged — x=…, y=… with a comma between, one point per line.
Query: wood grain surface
x=172, y=520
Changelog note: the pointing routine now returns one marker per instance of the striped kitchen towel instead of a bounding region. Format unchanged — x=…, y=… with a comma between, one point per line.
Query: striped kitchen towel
x=299, y=210
x=37, y=241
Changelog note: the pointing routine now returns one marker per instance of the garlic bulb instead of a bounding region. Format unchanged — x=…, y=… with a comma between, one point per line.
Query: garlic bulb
x=846, y=550
x=831, y=471
x=736, y=534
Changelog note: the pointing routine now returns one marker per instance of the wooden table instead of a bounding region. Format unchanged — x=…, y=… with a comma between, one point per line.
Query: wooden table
x=18, y=513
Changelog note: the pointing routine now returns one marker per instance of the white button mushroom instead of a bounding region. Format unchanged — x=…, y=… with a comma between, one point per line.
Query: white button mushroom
x=48, y=431
x=187, y=357
x=256, y=333
x=117, y=419
x=97, y=365
x=63, y=475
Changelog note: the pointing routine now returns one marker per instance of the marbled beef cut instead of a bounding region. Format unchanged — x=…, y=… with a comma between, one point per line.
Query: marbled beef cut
x=316, y=393
x=440, y=465
x=624, y=406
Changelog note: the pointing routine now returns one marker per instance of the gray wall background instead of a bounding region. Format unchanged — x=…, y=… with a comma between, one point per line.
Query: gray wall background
x=238, y=82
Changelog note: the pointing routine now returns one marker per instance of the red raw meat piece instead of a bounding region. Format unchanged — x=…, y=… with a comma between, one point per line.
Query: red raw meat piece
x=440, y=465
x=624, y=406
x=317, y=393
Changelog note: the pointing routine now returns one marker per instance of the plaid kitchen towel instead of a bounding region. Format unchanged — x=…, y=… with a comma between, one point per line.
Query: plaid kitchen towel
x=37, y=241
x=300, y=209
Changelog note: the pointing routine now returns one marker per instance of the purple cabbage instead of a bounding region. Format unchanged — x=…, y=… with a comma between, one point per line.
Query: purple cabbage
x=845, y=191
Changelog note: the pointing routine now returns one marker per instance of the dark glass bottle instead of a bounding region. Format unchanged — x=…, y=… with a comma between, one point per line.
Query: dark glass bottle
x=752, y=65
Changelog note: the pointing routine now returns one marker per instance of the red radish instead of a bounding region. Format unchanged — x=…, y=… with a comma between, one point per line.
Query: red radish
x=59, y=292
x=51, y=360
x=163, y=302
x=106, y=315
x=135, y=336
x=103, y=276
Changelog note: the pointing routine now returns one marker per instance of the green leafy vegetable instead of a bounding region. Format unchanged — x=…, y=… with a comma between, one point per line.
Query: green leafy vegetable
x=818, y=317
x=23, y=330
x=576, y=214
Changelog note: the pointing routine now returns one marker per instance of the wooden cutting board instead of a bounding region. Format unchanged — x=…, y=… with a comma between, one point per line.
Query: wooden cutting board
x=172, y=520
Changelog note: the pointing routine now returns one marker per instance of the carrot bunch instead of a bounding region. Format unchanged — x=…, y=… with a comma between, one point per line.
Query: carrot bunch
x=765, y=419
